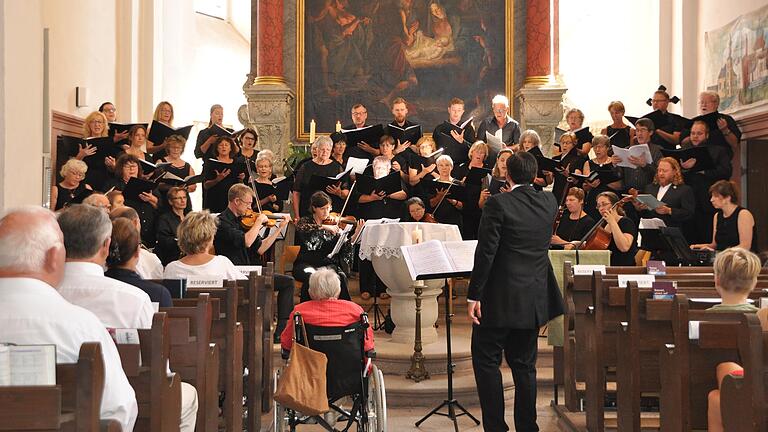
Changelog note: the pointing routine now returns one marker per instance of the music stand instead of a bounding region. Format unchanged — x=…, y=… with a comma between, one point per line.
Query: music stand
x=451, y=403
x=375, y=310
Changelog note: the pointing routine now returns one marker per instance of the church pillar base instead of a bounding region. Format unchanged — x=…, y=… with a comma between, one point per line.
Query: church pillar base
x=541, y=109
x=268, y=111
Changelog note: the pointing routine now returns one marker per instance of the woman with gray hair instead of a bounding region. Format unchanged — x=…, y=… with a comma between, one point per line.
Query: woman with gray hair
x=195, y=236
x=321, y=165
x=326, y=309
x=72, y=189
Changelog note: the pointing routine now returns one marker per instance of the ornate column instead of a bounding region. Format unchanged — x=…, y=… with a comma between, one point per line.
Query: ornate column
x=541, y=97
x=269, y=98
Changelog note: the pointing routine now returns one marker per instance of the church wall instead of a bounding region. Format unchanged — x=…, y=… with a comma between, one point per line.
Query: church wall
x=21, y=103
x=609, y=50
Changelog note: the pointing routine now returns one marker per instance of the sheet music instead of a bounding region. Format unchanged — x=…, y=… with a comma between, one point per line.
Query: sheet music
x=426, y=258
x=461, y=254
x=654, y=223
x=650, y=201
x=342, y=239
x=640, y=150
x=356, y=165
x=495, y=143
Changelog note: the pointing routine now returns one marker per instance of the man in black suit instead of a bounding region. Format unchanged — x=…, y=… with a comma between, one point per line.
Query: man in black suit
x=513, y=281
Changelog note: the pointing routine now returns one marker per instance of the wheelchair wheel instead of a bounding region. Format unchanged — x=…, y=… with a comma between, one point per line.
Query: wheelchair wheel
x=377, y=402
x=280, y=421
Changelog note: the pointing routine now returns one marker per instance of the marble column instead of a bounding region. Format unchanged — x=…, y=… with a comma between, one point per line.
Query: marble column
x=541, y=107
x=269, y=98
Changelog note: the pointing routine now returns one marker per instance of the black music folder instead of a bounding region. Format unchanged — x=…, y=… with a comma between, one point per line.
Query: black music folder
x=583, y=135
x=410, y=133
x=700, y=153
x=136, y=187
x=237, y=167
x=457, y=190
x=476, y=175
x=280, y=187
x=319, y=183
x=388, y=184
x=115, y=128
x=428, y=159
x=367, y=134
x=159, y=132
x=175, y=180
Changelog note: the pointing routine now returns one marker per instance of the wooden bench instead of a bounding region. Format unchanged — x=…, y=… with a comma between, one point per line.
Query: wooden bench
x=193, y=356
x=146, y=366
x=73, y=404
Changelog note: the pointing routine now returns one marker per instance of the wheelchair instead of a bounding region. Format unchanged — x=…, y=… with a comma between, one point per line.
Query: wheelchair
x=350, y=373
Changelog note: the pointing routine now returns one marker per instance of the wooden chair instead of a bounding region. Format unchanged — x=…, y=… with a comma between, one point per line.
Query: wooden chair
x=74, y=403
x=290, y=253
x=146, y=366
x=193, y=356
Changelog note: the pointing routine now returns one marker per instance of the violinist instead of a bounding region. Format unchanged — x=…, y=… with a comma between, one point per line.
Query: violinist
x=498, y=182
x=623, y=231
x=417, y=211
x=316, y=236
x=234, y=243
x=449, y=209
x=573, y=223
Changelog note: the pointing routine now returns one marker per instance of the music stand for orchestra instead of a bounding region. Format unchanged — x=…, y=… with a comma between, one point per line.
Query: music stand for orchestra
x=451, y=403
x=375, y=310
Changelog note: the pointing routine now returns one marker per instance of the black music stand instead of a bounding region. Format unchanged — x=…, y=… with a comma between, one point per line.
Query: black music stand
x=451, y=403
x=375, y=310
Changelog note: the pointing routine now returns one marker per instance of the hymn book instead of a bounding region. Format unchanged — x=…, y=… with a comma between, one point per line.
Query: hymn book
x=280, y=187
x=159, y=131
x=637, y=151
x=27, y=365
x=366, y=134
x=410, y=133
x=435, y=259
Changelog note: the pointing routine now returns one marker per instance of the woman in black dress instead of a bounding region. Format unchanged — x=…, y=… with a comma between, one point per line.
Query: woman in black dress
x=602, y=162
x=621, y=134
x=137, y=142
x=574, y=223
x=322, y=165
x=623, y=244
x=180, y=168
x=248, y=140
x=264, y=175
x=498, y=183
x=733, y=225
x=529, y=142
x=73, y=186
x=449, y=209
x=471, y=211
x=570, y=161
x=316, y=240
x=163, y=114
x=146, y=205
x=219, y=178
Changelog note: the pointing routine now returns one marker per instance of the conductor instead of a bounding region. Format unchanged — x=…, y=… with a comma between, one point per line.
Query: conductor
x=512, y=293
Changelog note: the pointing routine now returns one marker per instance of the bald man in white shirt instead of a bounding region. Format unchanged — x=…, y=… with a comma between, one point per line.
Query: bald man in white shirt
x=33, y=312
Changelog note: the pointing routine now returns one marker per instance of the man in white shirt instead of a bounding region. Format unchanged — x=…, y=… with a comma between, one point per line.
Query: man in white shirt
x=33, y=312
x=87, y=237
x=149, y=265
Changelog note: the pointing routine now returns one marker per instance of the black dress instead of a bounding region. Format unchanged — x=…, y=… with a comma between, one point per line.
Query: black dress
x=446, y=213
x=66, y=196
x=572, y=161
x=621, y=137
x=215, y=197
x=574, y=230
x=727, y=234
x=627, y=258
x=471, y=211
x=590, y=199
x=315, y=244
x=302, y=182
x=147, y=213
x=182, y=172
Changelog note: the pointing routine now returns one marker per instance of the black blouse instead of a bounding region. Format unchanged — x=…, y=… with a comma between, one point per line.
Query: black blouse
x=303, y=178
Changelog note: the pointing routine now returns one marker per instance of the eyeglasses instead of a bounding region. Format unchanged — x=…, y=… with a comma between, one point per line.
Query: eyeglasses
x=359, y=113
x=110, y=110
x=499, y=110
x=97, y=121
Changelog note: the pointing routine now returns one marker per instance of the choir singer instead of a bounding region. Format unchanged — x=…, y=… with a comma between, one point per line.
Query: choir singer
x=512, y=293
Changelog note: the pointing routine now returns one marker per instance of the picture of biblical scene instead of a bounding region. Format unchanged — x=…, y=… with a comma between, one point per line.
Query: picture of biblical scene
x=373, y=51
x=737, y=60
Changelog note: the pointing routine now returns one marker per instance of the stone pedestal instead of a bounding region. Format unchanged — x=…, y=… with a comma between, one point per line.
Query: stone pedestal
x=541, y=109
x=268, y=111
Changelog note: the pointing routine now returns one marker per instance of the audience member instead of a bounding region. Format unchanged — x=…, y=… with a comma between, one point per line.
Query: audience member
x=149, y=265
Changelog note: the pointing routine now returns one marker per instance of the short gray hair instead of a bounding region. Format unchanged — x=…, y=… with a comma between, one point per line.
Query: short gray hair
x=324, y=283
x=500, y=99
x=709, y=93
x=532, y=134
x=25, y=249
x=446, y=158
x=323, y=140
x=85, y=230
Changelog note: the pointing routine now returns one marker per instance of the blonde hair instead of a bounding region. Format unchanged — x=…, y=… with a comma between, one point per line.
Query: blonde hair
x=87, y=128
x=239, y=190
x=736, y=270
x=196, y=232
x=73, y=165
x=176, y=139
x=678, y=177
x=478, y=145
x=426, y=139
x=156, y=115
x=616, y=105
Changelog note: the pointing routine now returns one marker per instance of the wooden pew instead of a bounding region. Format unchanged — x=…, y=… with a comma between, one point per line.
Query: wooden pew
x=74, y=403
x=743, y=399
x=193, y=356
x=689, y=365
x=157, y=393
x=227, y=334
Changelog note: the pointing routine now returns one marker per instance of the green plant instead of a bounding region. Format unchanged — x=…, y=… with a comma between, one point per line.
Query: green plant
x=296, y=154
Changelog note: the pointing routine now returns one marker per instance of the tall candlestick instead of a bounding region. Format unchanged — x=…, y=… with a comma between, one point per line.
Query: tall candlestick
x=312, y=131
x=338, y=126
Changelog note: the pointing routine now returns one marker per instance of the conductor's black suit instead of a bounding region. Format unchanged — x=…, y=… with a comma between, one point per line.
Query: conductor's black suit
x=514, y=282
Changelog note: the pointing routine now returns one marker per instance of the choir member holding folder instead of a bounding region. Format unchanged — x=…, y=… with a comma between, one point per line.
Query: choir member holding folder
x=620, y=133
x=361, y=137
x=608, y=176
x=500, y=125
x=455, y=135
x=678, y=202
x=164, y=115
x=474, y=175
x=97, y=150
x=703, y=164
x=204, y=147
x=137, y=142
x=446, y=194
x=118, y=134
x=637, y=172
x=498, y=183
x=318, y=171
x=422, y=171
x=177, y=167
x=529, y=142
x=669, y=125
x=221, y=172
x=141, y=195
x=570, y=162
x=73, y=188
x=404, y=131
x=271, y=193
x=575, y=119
x=723, y=130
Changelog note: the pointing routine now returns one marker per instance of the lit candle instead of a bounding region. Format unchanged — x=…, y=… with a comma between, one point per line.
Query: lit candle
x=338, y=126
x=417, y=235
x=312, y=131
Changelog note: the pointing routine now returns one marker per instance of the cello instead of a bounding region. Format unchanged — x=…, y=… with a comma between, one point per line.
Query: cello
x=599, y=238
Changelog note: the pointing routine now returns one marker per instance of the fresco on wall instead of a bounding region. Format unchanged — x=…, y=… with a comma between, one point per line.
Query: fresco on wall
x=372, y=51
x=737, y=60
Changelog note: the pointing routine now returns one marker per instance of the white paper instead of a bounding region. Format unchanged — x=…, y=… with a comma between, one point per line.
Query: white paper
x=693, y=330
x=436, y=257
x=356, y=165
x=495, y=143
x=5, y=365
x=466, y=122
x=156, y=306
x=461, y=254
x=588, y=269
x=204, y=282
x=246, y=270
x=763, y=302
x=33, y=365
x=654, y=223
x=127, y=336
x=342, y=239
x=643, y=280
x=711, y=300
x=639, y=150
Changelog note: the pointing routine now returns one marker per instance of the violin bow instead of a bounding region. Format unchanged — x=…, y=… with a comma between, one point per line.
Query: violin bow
x=447, y=190
x=252, y=181
x=346, y=201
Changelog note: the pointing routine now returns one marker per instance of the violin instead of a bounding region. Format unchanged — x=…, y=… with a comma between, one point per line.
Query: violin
x=336, y=219
x=249, y=218
x=428, y=218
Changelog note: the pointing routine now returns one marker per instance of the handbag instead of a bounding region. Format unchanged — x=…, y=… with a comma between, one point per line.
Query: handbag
x=302, y=387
